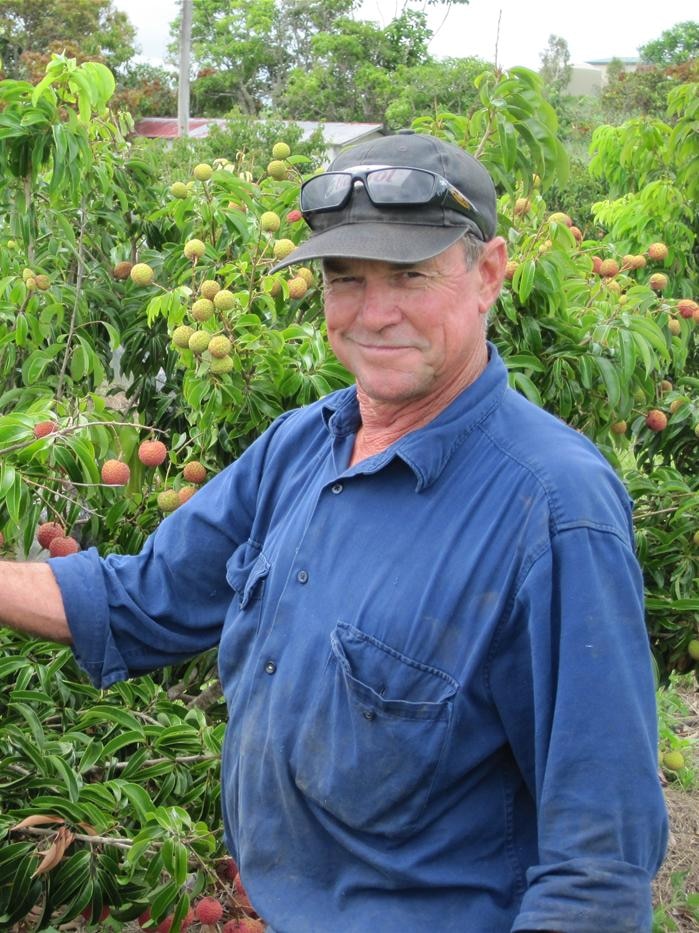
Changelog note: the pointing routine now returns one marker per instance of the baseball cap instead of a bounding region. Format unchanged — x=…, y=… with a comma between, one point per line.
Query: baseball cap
x=399, y=232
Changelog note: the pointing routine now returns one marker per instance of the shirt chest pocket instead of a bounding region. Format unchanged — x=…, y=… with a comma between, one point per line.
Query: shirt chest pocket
x=369, y=747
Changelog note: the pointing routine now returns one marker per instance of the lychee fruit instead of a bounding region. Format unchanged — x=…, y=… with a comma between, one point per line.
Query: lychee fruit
x=609, y=268
x=673, y=761
x=270, y=222
x=522, y=206
x=142, y=274
x=242, y=894
x=227, y=868
x=297, y=287
x=209, y=288
x=220, y=365
x=619, y=427
x=46, y=532
x=224, y=300
x=693, y=649
x=596, y=264
x=185, y=493
x=658, y=252
x=282, y=248
x=199, y=341
x=294, y=216
x=168, y=500
x=687, y=307
x=194, y=472
x=194, y=249
x=510, y=269
x=28, y=274
x=277, y=169
x=558, y=217
x=62, y=546
x=674, y=326
x=203, y=171
x=665, y=385
x=658, y=281
x=115, y=473
x=42, y=428
x=152, y=453
x=208, y=910
x=656, y=420
x=122, y=270
x=202, y=309
x=577, y=233
x=280, y=151
x=306, y=274
x=43, y=282
x=220, y=346
x=181, y=335
x=179, y=190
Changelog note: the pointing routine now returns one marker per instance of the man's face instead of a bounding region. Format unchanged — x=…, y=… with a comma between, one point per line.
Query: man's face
x=411, y=332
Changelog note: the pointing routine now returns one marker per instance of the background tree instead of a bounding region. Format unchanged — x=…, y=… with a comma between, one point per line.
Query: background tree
x=36, y=28
x=674, y=46
x=555, y=68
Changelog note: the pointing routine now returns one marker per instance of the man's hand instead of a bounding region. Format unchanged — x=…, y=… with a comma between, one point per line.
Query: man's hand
x=31, y=602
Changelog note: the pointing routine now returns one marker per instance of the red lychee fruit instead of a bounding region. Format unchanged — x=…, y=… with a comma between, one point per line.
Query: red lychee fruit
x=577, y=233
x=115, y=473
x=658, y=281
x=656, y=420
x=227, y=868
x=185, y=493
x=194, y=472
x=246, y=925
x=144, y=917
x=87, y=914
x=62, y=546
x=685, y=306
x=122, y=270
x=609, y=268
x=48, y=531
x=208, y=910
x=164, y=926
x=242, y=894
x=42, y=428
x=596, y=264
x=152, y=453
x=294, y=216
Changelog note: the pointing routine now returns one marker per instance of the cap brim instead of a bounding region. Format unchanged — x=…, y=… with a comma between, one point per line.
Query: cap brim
x=386, y=242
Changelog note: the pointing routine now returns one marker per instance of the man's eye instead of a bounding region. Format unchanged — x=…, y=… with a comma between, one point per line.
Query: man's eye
x=410, y=277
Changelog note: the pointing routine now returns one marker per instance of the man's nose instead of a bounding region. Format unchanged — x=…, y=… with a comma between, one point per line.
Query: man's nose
x=379, y=307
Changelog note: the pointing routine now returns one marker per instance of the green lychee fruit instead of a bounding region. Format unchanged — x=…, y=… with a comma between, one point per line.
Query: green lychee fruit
x=115, y=473
x=224, y=300
x=673, y=761
x=306, y=274
x=209, y=288
x=270, y=222
x=693, y=649
x=194, y=249
x=179, y=190
x=194, y=472
x=202, y=309
x=181, y=335
x=277, y=169
x=220, y=346
x=168, y=500
x=558, y=217
x=28, y=274
x=30, y=283
x=142, y=274
x=297, y=287
x=658, y=281
x=280, y=151
x=203, y=171
x=199, y=341
x=282, y=248
x=220, y=365
x=674, y=326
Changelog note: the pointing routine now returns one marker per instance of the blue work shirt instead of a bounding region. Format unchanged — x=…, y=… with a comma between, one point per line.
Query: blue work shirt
x=441, y=708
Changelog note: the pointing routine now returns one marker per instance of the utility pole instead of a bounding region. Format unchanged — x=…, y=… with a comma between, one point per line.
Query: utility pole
x=185, y=53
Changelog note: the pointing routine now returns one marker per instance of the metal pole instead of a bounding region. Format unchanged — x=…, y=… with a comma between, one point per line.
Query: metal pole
x=183, y=85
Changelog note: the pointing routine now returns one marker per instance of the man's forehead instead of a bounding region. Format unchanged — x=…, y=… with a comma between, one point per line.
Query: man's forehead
x=343, y=264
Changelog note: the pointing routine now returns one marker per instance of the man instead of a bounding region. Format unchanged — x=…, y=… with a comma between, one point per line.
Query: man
x=441, y=709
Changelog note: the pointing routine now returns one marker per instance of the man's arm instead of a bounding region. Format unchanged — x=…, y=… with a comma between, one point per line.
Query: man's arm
x=31, y=602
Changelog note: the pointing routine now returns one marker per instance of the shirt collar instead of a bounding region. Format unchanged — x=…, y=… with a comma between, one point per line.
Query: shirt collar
x=427, y=450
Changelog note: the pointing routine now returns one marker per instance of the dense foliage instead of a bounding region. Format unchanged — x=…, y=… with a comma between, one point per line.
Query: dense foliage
x=107, y=340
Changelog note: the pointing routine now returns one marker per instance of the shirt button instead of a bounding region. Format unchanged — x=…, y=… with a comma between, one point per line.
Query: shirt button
x=336, y=489
x=369, y=714
x=302, y=576
x=270, y=667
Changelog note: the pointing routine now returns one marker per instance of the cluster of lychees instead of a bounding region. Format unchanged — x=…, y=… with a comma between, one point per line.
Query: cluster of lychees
x=208, y=914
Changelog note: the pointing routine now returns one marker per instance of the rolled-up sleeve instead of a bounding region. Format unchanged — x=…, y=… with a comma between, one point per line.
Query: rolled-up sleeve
x=574, y=686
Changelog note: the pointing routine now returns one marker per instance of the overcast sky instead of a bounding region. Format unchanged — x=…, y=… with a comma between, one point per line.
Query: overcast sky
x=593, y=29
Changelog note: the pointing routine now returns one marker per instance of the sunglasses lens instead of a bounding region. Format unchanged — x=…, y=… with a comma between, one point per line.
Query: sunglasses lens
x=400, y=186
x=325, y=192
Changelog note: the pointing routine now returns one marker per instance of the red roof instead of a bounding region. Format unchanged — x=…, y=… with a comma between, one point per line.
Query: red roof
x=166, y=127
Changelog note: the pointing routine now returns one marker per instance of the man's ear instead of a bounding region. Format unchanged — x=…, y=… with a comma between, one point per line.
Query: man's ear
x=491, y=264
